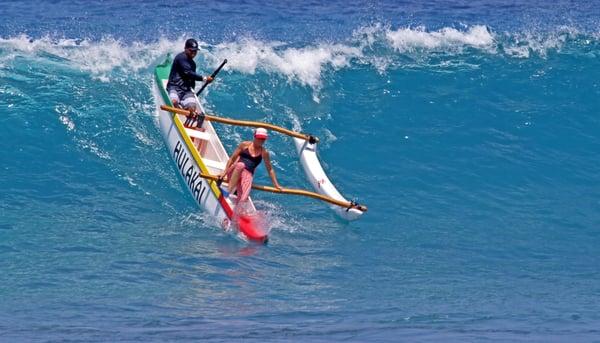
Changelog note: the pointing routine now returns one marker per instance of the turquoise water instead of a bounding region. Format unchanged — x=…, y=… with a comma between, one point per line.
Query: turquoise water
x=469, y=129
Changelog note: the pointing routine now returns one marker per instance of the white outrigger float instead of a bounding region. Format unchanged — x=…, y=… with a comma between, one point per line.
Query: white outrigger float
x=199, y=156
x=307, y=150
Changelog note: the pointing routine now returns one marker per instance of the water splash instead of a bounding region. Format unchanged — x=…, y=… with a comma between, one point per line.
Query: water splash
x=451, y=39
x=378, y=46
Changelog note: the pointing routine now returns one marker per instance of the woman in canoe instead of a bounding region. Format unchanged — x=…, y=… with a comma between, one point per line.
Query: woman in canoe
x=241, y=165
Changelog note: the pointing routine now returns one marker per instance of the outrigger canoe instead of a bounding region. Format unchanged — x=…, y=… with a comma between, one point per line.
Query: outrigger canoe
x=199, y=155
x=198, y=151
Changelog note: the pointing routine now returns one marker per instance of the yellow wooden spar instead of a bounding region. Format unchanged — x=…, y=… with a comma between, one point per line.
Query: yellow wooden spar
x=293, y=191
x=229, y=121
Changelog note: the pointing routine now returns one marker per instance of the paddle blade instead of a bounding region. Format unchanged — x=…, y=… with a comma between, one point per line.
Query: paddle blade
x=253, y=227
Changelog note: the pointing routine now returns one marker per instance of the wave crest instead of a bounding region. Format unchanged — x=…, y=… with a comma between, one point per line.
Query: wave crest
x=407, y=39
x=302, y=64
x=378, y=46
x=96, y=57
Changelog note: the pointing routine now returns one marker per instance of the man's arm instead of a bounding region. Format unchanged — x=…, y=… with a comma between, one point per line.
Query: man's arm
x=187, y=70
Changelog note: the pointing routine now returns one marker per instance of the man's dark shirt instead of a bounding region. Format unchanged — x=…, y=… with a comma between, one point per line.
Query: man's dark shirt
x=183, y=73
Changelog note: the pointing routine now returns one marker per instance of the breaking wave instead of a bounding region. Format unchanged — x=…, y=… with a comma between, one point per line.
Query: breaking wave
x=378, y=46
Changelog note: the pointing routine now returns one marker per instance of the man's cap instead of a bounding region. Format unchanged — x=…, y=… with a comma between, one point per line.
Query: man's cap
x=191, y=44
x=260, y=133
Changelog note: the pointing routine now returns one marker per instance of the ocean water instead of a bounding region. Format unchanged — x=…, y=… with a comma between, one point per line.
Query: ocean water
x=471, y=130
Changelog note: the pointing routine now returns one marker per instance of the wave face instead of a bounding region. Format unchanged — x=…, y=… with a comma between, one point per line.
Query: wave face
x=469, y=129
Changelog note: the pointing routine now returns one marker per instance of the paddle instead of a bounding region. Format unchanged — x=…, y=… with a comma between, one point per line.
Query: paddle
x=310, y=138
x=294, y=191
x=214, y=74
x=190, y=119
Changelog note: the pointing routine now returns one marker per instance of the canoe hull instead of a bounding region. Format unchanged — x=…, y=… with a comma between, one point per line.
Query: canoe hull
x=190, y=163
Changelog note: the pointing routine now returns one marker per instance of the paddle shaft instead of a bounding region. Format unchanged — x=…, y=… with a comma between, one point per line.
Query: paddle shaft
x=298, y=192
x=214, y=74
x=309, y=138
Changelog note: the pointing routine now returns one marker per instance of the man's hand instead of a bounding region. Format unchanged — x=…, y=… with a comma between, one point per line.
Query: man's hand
x=209, y=79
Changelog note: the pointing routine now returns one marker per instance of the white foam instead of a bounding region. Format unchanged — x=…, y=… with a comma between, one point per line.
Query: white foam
x=375, y=45
x=277, y=217
x=96, y=57
x=369, y=35
x=63, y=116
x=304, y=65
x=524, y=44
x=517, y=51
x=89, y=145
x=408, y=39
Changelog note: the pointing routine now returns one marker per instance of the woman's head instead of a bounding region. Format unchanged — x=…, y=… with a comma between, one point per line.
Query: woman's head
x=260, y=135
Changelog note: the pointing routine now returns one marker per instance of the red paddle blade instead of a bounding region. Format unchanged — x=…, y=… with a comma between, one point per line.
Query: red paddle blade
x=252, y=226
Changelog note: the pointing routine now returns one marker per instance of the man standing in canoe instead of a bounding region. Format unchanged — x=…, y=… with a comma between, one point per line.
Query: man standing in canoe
x=183, y=77
x=241, y=165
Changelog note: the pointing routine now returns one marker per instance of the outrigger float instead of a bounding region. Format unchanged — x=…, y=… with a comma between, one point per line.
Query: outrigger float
x=200, y=156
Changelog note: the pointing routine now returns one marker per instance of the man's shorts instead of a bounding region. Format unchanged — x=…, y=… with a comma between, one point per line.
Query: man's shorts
x=184, y=97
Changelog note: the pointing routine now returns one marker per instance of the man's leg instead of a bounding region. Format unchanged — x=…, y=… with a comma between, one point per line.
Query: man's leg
x=190, y=104
x=174, y=97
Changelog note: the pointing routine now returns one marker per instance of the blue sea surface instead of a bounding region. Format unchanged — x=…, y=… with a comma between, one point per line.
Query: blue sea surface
x=471, y=130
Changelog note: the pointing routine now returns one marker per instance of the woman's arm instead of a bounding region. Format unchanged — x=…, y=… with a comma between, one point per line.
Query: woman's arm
x=266, y=156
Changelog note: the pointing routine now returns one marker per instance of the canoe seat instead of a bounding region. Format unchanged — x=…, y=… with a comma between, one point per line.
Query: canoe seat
x=214, y=164
x=205, y=136
x=199, y=138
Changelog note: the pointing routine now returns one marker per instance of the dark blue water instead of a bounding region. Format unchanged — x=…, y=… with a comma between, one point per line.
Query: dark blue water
x=470, y=129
